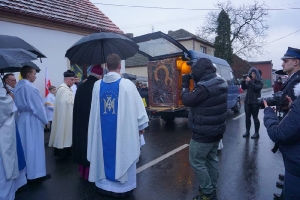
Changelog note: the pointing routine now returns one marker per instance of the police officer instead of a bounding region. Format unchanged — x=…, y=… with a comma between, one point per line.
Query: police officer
x=291, y=66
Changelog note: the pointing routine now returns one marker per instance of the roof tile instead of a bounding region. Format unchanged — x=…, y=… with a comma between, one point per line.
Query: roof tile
x=81, y=13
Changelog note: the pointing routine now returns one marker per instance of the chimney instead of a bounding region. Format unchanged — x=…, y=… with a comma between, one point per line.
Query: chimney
x=129, y=35
x=170, y=32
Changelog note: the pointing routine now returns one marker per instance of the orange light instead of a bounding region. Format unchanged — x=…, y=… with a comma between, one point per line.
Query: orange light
x=185, y=69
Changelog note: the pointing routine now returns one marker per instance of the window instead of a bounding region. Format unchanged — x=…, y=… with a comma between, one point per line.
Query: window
x=202, y=49
x=225, y=72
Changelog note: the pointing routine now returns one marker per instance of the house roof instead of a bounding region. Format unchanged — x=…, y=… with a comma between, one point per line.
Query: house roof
x=136, y=60
x=182, y=34
x=80, y=13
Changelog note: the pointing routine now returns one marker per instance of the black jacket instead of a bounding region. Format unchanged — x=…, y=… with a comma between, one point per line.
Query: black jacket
x=253, y=87
x=144, y=94
x=208, y=102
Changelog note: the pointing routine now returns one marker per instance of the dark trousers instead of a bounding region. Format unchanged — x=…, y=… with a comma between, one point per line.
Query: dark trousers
x=252, y=109
x=291, y=186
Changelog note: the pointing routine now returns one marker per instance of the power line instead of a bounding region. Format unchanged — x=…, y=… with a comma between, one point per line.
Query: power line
x=173, y=8
x=175, y=20
x=282, y=37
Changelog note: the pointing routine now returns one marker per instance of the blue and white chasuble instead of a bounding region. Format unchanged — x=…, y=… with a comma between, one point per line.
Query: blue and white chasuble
x=109, y=95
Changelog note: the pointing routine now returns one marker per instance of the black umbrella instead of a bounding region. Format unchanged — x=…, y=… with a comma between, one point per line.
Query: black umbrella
x=94, y=48
x=31, y=64
x=12, y=58
x=129, y=76
x=7, y=41
x=18, y=68
x=280, y=72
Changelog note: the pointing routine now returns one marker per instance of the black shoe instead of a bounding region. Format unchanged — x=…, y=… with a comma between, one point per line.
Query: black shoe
x=255, y=136
x=246, y=134
x=39, y=180
x=202, y=196
x=279, y=184
x=109, y=193
x=22, y=189
x=281, y=177
x=276, y=196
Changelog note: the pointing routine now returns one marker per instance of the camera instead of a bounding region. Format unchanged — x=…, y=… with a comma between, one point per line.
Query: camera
x=246, y=75
x=278, y=99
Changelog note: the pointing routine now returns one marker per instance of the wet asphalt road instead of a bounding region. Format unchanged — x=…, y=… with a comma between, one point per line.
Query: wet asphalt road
x=248, y=169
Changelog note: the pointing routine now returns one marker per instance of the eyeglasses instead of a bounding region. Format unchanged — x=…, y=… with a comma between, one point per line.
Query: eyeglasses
x=14, y=80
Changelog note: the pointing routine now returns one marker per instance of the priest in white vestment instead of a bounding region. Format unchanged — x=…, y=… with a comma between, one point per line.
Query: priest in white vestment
x=117, y=118
x=49, y=103
x=12, y=174
x=31, y=123
x=61, y=130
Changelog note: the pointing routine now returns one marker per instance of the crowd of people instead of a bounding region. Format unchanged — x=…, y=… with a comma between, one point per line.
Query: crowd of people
x=98, y=145
x=100, y=126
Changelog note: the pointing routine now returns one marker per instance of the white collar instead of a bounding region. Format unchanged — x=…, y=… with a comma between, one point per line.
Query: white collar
x=111, y=77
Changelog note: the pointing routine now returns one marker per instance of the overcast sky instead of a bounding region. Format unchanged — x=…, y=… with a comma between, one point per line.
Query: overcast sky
x=140, y=21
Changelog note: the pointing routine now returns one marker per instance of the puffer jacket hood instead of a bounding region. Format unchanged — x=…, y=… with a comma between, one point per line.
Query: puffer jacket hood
x=202, y=68
x=253, y=69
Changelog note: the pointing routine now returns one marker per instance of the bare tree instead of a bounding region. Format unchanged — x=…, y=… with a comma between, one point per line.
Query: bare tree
x=248, y=27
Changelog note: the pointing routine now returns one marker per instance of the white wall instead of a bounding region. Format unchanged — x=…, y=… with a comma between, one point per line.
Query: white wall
x=53, y=44
x=188, y=44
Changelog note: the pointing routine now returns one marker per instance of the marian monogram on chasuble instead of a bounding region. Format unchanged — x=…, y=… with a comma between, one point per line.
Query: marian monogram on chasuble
x=109, y=104
x=109, y=98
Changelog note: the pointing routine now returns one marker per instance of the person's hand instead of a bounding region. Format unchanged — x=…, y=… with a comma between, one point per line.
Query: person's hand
x=9, y=92
x=290, y=100
x=186, y=80
x=265, y=103
x=248, y=79
x=142, y=132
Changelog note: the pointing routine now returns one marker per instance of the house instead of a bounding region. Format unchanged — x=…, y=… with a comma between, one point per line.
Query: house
x=192, y=42
x=52, y=27
x=266, y=69
x=138, y=64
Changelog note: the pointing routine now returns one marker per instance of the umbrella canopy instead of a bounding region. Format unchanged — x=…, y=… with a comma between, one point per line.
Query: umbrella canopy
x=12, y=58
x=31, y=64
x=7, y=41
x=94, y=48
x=18, y=69
x=280, y=72
x=129, y=76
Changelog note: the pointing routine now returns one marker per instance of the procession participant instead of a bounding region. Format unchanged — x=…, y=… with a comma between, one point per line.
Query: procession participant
x=10, y=81
x=61, y=133
x=117, y=118
x=12, y=174
x=49, y=103
x=30, y=124
x=81, y=114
